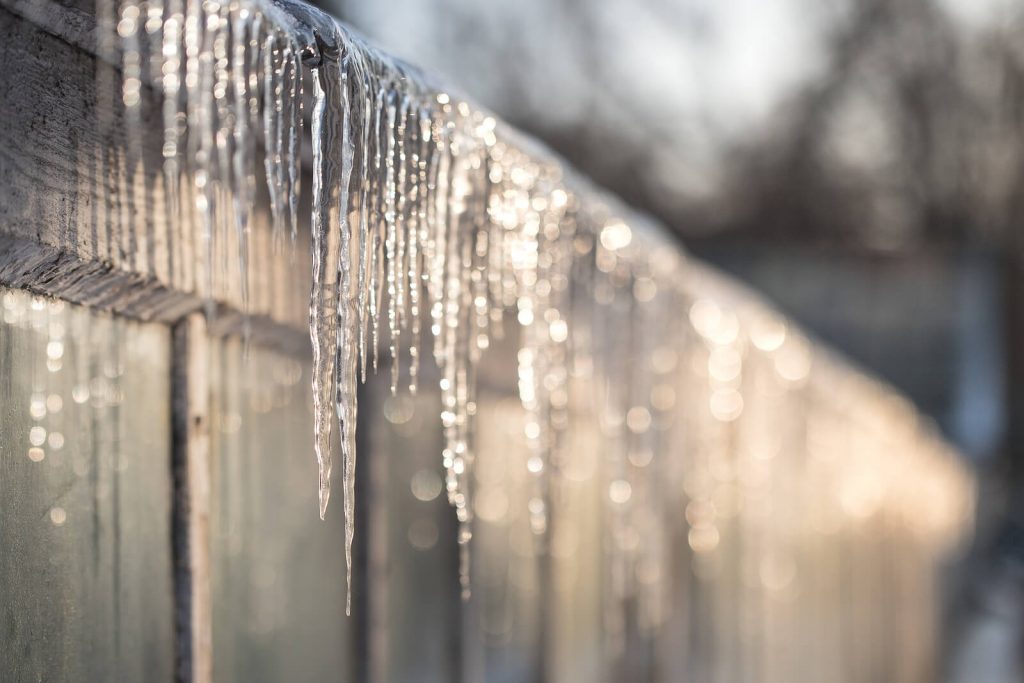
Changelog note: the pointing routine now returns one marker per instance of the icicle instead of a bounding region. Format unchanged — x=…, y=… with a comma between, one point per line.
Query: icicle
x=173, y=114
x=223, y=137
x=366, y=242
x=199, y=85
x=438, y=240
x=295, y=146
x=272, y=86
x=401, y=237
x=418, y=236
x=456, y=360
x=391, y=239
x=252, y=70
x=481, y=256
x=496, y=249
x=285, y=120
x=242, y=186
x=326, y=214
x=345, y=365
x=282, y=169
x=376, y=283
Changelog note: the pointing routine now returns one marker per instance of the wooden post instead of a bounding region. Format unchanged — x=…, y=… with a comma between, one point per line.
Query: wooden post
x=191, y=520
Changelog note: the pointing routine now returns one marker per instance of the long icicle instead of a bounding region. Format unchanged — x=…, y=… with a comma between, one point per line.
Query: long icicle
x=326, y=135
x=347, y=350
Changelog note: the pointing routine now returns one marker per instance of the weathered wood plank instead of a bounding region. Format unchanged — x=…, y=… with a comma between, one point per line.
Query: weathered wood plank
x=86, y=588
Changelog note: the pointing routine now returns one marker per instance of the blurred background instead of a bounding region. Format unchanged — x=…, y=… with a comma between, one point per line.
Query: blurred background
x=860, y=162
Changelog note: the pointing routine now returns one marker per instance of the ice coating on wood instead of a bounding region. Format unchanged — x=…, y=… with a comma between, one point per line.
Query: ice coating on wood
x=426, y=211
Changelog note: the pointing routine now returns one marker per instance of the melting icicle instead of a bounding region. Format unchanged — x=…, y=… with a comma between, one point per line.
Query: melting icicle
x=391, y=234
x=455, y=335
x=345, y=405
x=326, y=134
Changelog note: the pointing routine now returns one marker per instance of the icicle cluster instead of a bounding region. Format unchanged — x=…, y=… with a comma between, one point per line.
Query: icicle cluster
x=220, y=87
x=426, y=213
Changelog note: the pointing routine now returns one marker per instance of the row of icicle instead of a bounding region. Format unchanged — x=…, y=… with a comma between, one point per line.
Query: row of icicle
x=424, y=212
